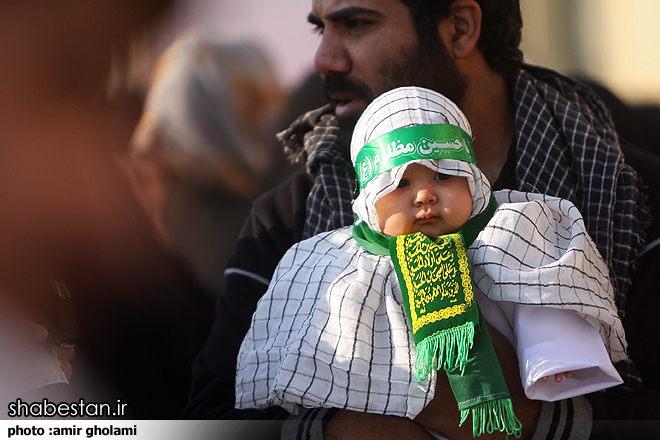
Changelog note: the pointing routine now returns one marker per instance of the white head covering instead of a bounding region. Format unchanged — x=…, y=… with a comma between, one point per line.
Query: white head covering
x=407, y=107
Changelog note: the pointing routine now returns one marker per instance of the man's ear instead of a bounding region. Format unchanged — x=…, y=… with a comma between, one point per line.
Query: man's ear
x=461, y=29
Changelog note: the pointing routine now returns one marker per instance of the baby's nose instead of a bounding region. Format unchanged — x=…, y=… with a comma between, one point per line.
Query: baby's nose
x=425, y=196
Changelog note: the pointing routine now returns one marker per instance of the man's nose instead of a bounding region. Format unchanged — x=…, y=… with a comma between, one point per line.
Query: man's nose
x=331, y=55
x=424, y=196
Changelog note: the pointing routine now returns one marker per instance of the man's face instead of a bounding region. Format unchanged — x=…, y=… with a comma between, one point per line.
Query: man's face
x=369, y=47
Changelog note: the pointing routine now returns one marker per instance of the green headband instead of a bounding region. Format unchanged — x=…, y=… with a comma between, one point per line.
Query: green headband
x=436, y=141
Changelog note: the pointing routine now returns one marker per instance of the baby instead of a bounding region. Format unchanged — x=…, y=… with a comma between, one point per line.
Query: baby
x=362, y=318
x=429, y=202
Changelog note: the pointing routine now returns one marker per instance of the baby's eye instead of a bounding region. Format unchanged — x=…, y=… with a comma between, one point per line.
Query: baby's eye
x=402, y=183
x=442, y=176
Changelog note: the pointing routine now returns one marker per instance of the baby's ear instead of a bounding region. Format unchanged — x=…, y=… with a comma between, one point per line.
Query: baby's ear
x=460, y=31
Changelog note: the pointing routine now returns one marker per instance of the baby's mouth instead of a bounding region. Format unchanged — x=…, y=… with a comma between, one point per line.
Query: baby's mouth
x=426, y=218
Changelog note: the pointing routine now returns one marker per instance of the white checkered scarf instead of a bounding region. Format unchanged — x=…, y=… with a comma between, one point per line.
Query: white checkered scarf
x=535, y=250
x=332, y=329
x=566, y=146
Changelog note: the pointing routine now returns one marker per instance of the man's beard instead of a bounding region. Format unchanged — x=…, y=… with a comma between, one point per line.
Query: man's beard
x=428, y=65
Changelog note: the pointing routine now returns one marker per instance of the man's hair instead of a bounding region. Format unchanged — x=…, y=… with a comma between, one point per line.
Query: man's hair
x=501, y=28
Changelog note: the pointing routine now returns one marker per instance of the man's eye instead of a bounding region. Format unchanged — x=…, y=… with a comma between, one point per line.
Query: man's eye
x=317, y=29
x=356, y=25
x=403, y=183
x=442, y=176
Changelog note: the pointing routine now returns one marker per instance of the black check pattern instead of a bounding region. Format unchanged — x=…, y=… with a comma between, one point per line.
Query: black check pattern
x=316, y=138
x=567, y=147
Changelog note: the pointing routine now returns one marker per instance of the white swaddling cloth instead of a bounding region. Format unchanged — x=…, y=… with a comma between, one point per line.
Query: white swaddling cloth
x=331, y=330
x=549, y=341
x=542, y=256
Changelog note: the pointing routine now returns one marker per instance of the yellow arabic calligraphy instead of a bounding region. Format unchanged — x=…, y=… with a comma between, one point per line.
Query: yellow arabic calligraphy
x=425, y=286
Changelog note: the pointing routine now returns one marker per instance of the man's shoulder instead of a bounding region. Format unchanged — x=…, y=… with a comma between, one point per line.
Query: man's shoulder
x=280, y=209
x=291, y=191
x=275, y=223
x=647, y=166
x=644, y=162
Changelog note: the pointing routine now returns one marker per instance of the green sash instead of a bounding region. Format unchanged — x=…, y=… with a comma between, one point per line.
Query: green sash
x=437, y=292
x=448, y=329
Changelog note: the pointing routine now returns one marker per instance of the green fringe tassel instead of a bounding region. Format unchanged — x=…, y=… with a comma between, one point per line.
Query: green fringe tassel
x=491, y=416
x=445, y=349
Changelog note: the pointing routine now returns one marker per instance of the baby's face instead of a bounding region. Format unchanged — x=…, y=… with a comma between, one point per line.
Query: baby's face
x=425, y=201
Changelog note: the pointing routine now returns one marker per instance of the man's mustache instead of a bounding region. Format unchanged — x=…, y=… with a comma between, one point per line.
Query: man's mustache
x=345, y=85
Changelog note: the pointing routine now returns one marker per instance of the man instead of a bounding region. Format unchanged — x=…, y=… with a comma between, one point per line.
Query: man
x=533, y=130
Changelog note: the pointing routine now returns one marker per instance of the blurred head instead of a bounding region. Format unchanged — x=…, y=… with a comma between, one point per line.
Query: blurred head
x=368, y=47
x=208, y=112
x=66, y=47
x=62, y=196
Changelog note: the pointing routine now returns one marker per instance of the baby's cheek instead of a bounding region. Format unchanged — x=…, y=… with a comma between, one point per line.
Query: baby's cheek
x=395, y=224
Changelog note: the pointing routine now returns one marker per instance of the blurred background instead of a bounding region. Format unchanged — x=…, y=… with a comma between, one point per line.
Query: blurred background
x=134, y=136
x=611, y=41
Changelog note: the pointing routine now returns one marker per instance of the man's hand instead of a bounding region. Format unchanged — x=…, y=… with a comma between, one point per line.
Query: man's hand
x=526, y=410
x=442, y=414
x=559, y=376
x=64, y=357
x=351, y=425
x=33, y=333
